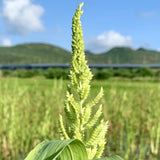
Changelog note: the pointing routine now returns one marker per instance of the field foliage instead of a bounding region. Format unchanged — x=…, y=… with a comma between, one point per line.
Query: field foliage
x=29, y=110
x=102, y=74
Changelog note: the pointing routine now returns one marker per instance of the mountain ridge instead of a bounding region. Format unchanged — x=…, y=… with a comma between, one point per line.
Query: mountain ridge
x=27, y=53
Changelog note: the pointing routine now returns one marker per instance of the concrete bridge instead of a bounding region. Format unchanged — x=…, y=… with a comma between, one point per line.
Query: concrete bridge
x=63, y=66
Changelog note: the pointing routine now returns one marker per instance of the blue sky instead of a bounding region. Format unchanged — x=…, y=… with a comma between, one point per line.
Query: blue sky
x=106, y=23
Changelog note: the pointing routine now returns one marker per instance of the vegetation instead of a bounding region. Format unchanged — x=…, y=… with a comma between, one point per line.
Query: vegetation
x=45, y=53
x=59, y=149
x=83, y=131
x=29, y=109
x=82, y=125
x=52, y=73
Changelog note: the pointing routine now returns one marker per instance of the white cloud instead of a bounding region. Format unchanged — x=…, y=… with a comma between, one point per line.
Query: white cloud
x=158, y=49
x=21, y=16
x=148, y=14
x=106, y=41
x=6, y=42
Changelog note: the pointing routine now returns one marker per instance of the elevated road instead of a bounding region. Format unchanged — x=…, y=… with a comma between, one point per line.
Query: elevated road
x=63, y=66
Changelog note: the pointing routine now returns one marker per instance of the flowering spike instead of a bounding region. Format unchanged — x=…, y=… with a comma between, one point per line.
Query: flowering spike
x=79, y=116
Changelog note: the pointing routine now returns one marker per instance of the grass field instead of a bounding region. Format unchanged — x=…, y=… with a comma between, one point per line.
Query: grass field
x=29, y=110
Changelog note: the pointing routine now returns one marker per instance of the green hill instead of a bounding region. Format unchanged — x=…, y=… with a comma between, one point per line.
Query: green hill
x=124, y=55
x=33, y=53
x=45, y=53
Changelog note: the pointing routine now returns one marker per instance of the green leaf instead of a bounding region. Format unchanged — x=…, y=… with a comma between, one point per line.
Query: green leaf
x=115, y=157
x=71, y=149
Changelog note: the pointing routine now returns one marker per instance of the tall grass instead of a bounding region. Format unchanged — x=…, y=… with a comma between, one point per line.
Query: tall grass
x=29, y=107
x=27, y=114
x=133, y=110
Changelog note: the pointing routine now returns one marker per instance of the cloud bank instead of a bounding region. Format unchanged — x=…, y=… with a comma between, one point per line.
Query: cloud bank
x=21, y=16
x=106, y=41
x=6, y=42
x=158, y=49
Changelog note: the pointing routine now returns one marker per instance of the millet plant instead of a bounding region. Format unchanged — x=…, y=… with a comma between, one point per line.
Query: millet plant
x=83, y=134
x=80, y=120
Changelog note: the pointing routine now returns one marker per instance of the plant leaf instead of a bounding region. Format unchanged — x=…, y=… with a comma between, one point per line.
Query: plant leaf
x=71, y=149
x=115, y=157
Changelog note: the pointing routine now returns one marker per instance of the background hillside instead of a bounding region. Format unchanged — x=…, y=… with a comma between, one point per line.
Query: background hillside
x=45, y=53
x=33, y=53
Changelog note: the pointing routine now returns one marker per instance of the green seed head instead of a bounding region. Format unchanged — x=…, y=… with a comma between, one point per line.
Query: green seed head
x=79, y=117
